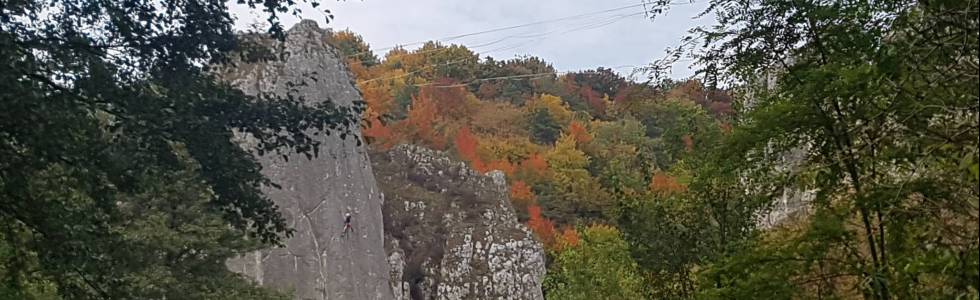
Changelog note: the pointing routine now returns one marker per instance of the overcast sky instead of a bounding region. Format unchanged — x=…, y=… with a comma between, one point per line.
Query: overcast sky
x=618, y=38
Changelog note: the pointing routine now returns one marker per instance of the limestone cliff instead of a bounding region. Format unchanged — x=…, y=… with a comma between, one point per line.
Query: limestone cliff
x=451, y=233
x=316, y=262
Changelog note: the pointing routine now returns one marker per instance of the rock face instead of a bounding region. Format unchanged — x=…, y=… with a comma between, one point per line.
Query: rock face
x=794, y=203
x=451, y=233
x=317, y=263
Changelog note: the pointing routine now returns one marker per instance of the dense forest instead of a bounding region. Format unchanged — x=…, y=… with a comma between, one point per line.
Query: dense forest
x=865, y=112
x=666, y=189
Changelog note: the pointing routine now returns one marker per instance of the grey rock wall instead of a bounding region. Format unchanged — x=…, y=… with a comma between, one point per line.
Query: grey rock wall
x=451, y=232
x=794, y=203
x=316, y=262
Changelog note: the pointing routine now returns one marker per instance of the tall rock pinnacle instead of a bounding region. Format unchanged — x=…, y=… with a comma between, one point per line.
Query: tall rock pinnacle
x=317, y=262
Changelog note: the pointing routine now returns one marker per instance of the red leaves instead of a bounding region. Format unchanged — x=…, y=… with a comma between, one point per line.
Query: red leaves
x=466, y=145
x=569, y=238
x=521, y=194
x=543, y=228
x=664, y=184
x=422, y=113
x=379, y=134
x=535, y=164
x=450, y=102
x=578, y=131
x=421, y=118
x=594, y=100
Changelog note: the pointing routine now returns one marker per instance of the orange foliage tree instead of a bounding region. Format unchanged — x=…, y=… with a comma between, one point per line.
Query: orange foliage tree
x=542, y=227
x=533, y=169
x=421, y=122
x=569, y=238
x=452, y=102
x=578, y=131
x=378, y=134
x=466, y=145
x=664, y=184
x=521, y=194
x=595, y=101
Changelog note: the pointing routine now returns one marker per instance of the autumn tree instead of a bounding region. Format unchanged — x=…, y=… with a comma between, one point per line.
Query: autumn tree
x=422, y=124
x=881, y=99
x=516, y=91
x=596, y=103
x=622, y=156
x=664, y=184
x=499, y=119
x=534, y=169
x=514, y=149
x=572, y=190
x=569, y=238
x=352, y=46
x=541, y=226
x=435, y=61
x=598, y=267
x=521, y=194
x=466, y=145
x=553, y=105
x=677, y=126
x=603, y=81
x=377, y=134
x=578, y=132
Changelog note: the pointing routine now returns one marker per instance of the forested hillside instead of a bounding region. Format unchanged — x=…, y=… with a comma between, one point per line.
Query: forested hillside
x=591, y=157
x=124, y=175
x=657, y=188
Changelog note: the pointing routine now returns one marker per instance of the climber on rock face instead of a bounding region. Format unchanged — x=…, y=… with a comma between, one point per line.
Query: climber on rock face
x=347, y=225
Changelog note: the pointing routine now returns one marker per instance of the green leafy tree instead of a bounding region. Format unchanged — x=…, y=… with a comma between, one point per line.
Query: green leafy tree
x=434, y=61
x=678, y=126
x=622, y=155
x=598, y=267
x=542, y=127
x=673, y=232
x=601, y=80
x=518, y=91
x=882, y=99
x=119, y=178
x=571, y=186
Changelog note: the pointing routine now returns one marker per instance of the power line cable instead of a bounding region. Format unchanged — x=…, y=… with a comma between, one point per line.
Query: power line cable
x=593, y=25
x=474, y=47
x=455, y=37
x=509, y=77
x=446, y=39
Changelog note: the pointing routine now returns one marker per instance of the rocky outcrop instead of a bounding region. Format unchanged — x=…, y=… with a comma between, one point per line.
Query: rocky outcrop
x=316, y=262
x=451, y=233
x=794, y=202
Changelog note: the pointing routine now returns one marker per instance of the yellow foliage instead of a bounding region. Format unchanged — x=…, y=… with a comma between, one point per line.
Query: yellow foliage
x=565, y=155
x=499, y=119
x=555, y=107
x=514, y=149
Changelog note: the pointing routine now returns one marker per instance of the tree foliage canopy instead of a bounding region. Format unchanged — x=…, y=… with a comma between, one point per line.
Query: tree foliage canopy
x=880, y=97
x=118, y=174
